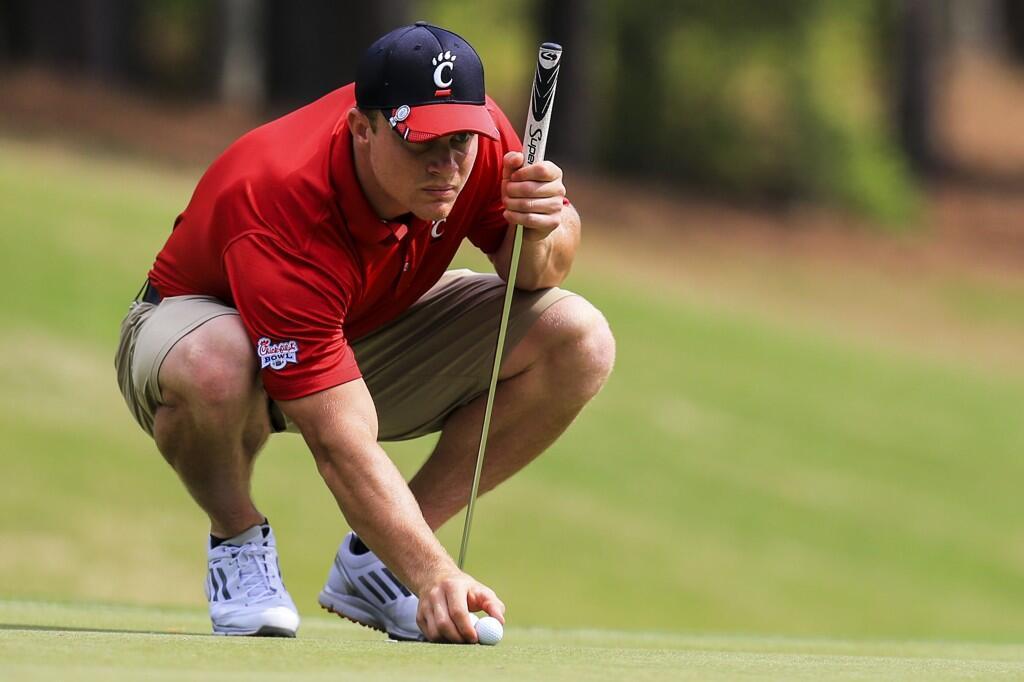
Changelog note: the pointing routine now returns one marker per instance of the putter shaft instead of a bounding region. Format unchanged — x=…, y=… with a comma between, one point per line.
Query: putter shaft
x=510, y=286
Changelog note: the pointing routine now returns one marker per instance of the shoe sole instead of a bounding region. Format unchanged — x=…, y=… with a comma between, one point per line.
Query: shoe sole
x=265, y=631
x=354, y=609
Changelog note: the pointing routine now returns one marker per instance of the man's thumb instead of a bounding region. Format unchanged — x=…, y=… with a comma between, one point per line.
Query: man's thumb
x=512, y=162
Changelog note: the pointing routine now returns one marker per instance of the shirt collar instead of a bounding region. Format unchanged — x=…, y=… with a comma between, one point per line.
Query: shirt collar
x=363, y=223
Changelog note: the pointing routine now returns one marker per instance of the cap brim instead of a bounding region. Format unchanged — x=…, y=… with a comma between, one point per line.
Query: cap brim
x=428, y=121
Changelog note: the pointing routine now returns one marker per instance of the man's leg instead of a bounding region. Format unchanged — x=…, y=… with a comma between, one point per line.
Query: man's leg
x=424, y=366
x=544, y=382
x=214, y=420
x=211, y=421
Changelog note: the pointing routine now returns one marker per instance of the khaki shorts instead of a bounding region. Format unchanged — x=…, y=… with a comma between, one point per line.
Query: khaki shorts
x=419, y=368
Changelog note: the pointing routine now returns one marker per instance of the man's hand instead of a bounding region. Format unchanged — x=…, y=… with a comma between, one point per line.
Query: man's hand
x=532, y=195
x=340, y=427
x=444, y=609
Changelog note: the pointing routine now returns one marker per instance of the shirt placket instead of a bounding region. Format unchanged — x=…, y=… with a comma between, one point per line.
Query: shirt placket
x=405, y=274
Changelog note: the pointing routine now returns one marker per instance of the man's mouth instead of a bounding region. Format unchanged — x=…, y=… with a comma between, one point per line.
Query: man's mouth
x=445, y=192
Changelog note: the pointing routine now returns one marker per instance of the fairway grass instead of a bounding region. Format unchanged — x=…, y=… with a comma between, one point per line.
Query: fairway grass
x=739, y=474
x=77, y=641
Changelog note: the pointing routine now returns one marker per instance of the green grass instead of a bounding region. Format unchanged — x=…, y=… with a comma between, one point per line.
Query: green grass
x=739, y=474
x=105, y=642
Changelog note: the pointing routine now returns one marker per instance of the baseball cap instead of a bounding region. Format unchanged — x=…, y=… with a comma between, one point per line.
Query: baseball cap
x=428, y=81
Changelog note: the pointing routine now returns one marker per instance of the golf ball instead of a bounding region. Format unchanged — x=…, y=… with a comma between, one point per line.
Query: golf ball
x=488, y=629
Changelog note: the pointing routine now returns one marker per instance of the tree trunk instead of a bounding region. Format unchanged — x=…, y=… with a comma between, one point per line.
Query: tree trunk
x=109, y=33
x=571, y=24
x=915, y=97
x=14, y=34
x=242, y=63
x=54, y=33
x=630, y=134
x=1013, y=11
x=314, y=45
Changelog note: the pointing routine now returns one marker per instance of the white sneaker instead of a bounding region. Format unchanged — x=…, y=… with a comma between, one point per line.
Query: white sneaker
x=244, y=587
x=361, y=588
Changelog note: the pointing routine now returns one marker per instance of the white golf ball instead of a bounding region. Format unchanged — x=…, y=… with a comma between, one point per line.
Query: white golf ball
x=488, y=629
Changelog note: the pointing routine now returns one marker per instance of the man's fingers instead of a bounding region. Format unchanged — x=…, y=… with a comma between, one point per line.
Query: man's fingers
x=447, y=630
x=546, y=205
x=545, y=171
x=459, y=614
x=484, y=599
x=433, y=619
x=538, y=223
x=425, y=621
x=445, y=610
x=532, y=188
x=511, y=163
x=514, y=170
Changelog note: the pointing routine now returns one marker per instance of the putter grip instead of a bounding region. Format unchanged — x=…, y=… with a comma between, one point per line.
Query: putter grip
x=542, y=99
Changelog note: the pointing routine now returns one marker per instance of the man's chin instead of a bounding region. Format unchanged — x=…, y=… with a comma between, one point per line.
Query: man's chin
x=433, y=212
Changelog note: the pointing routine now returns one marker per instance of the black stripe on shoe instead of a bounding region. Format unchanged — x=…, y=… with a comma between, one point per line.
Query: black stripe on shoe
x=224, y=583
x=398, y=583
x=214, y=586
x=369, y=587
x=384, y=586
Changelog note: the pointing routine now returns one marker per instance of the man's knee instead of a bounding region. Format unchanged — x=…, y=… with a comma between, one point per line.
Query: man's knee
x=214, y=412
x=213, y=367
x=579, y=346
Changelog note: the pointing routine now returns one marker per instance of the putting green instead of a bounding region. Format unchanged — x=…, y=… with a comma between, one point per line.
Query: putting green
x=74, y=641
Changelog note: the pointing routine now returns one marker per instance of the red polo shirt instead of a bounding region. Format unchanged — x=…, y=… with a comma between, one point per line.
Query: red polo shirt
x=280, y=229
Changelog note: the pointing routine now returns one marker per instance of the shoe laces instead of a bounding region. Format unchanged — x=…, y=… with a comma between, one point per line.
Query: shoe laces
x=259, y=576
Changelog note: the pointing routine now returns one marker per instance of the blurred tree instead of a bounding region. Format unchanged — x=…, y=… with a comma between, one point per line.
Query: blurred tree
x=92, y=37
x=975, y=24
x=573, y=25
x=14, y=40
x=637, y=86
x=243, y=65
x=313, y=46
x=240, y=49
x=917, y=47
x=111, y=51
x=786, y=99
x=178, y=45
x=781, y=99
x=1013, y=11
x=161, y=45
x=52, y=33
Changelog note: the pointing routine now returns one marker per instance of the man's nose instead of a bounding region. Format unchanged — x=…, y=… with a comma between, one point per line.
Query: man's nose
x=443, y=162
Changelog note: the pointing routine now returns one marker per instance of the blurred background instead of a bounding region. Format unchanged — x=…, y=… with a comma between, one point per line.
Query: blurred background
x=804, y=220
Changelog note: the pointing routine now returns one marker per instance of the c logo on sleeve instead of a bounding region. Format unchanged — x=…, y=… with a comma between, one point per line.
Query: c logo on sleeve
x=277, y=355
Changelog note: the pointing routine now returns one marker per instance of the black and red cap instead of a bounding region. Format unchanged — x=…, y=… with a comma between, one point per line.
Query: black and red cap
x=428, y=81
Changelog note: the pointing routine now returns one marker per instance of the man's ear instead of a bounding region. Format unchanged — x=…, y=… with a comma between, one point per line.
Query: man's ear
x=359, y=125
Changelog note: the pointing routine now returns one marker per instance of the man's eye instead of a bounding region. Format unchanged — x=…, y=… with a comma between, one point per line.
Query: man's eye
x=462, y=139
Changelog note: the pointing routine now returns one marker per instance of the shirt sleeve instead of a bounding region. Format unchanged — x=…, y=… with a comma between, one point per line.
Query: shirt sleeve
x=489, y=231
x=294, y=315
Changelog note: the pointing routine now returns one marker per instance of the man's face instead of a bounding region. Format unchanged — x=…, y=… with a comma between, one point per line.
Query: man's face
x=422, y=178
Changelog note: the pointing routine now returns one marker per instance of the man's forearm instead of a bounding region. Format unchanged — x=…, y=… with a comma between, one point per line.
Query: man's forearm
x=379, y=507
x=340, y=428
x=546, y=262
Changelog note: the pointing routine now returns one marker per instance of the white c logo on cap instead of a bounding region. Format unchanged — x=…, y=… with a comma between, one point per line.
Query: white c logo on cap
x=444, y=60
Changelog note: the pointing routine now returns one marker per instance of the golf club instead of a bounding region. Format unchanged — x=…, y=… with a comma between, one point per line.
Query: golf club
x=538, y=117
